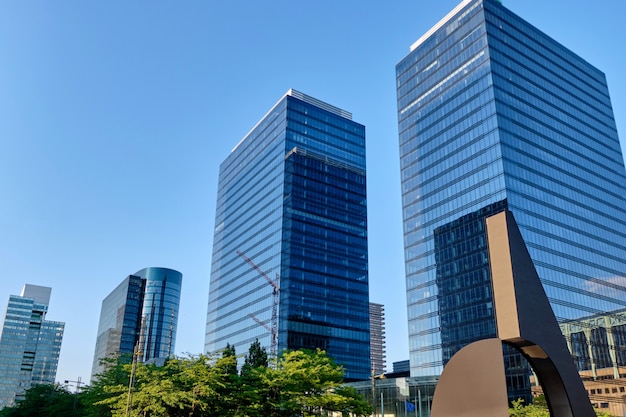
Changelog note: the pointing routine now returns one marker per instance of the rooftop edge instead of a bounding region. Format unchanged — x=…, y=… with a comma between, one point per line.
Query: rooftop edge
x=303, y=97
x=439, y=24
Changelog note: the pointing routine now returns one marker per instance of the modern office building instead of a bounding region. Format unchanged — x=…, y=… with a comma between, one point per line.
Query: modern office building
x=142, y=311
x=494, y=114
x=289, y=264
x=402, y=367
x=378, y=349
x=598, y=345
x=29, y=344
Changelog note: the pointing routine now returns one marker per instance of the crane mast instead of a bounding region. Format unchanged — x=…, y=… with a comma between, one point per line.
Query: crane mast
x=273, y=328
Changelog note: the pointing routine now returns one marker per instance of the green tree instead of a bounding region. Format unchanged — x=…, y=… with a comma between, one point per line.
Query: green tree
x=253, y=394
x=229, y=352
x=116, y=374
x=518, y=409
x=300, y=383
x=309, y=383
x=190, y=386
x=44, y=401
x=256, y=358
x=538, y=408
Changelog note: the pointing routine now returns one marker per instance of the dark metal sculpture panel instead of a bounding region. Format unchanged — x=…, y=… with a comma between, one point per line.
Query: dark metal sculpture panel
x=472, y=384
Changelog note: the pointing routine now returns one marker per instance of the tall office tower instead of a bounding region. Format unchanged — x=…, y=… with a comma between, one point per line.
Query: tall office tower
x=29, y=344
x=494, y=114
x=377, y=339
x=290, y=244
x=142, y=311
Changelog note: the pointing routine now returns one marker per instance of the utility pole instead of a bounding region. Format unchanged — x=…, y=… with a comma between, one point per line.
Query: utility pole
x=373, y=394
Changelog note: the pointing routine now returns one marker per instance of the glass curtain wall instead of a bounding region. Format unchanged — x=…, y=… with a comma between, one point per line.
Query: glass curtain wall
x=492, y=109
x=292, y=210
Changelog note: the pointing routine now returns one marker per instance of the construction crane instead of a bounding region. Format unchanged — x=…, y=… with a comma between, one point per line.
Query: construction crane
x=273, y=328
x=260, y=322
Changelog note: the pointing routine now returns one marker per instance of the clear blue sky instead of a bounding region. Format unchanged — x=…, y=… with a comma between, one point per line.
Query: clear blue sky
x=115, y=116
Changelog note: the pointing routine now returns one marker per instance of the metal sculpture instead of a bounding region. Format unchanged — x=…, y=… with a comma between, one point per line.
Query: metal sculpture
x=473, y=382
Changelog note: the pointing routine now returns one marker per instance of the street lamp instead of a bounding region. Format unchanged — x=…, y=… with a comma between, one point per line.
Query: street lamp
x=77, y=388
x=374, y=400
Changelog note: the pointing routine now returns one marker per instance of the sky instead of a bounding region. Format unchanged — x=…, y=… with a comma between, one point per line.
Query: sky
x=115, y=116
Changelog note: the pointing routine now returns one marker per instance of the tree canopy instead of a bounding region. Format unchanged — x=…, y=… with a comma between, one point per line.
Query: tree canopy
x=538, y=408
x=297, y=383
x=44, y=401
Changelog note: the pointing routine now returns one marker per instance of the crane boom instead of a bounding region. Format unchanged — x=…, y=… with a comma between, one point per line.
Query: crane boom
x=272, y=282
x=255, y=318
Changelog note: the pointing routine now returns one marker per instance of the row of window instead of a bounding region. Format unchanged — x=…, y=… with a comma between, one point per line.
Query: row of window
x=326, y=117
x=441, y=41
x=318, y=142
x=429, y=69
x=337, y=135
x=612, y=390
x=531, y=45
x=267, y=138
x=473, y=62
x=460, y=170
x=541, y=118
x=543, y=44
x=564, y=154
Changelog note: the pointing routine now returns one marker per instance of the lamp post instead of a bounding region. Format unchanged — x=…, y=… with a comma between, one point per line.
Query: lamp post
x=131, y=381
x=76, y=389
x=137, y=355
x=374, y=400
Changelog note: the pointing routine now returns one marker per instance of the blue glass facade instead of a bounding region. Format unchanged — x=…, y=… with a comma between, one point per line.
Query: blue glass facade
x=492, y=111
x=143, y=311
x=161, y=299
x=463, y=277
x=29, y=344
x=292, y=198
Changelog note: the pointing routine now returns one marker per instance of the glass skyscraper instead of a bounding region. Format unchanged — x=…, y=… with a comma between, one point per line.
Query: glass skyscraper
x=493, y=114
x=29, y=344
x=290, y=242
x=142, y=311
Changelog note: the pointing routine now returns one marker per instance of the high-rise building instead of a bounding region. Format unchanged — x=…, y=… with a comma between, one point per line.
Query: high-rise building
x=142, y=311
x=377, y=339
x=290, y=243
x=494, y=114
x=29, y=344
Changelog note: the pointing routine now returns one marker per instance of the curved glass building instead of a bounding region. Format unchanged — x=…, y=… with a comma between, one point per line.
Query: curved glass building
x=142, y=311
x=161, y=299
